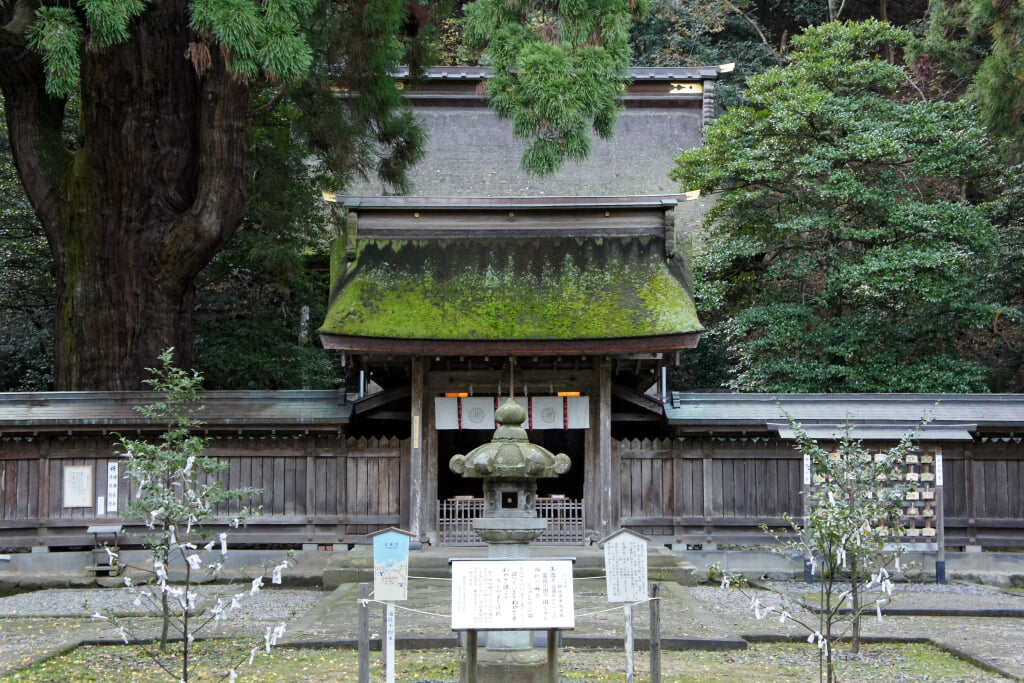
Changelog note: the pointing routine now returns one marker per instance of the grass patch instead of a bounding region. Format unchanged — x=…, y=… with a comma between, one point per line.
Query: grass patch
x=761, y=662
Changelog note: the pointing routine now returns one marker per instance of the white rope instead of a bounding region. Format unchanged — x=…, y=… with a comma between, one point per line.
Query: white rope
x=431, y=578
x=612, y=609
x=407, y=609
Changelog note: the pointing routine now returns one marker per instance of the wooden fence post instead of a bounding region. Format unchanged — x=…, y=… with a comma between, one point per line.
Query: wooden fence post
x=655, y=635
x=364, y=633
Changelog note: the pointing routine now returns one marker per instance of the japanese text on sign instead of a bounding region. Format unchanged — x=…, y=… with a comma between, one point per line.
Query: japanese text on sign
x=512, y=594
x=625, y=564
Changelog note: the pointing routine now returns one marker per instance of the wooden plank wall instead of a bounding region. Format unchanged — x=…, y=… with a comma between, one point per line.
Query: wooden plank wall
x=707, y=490
x=324, y=489
x=315, y=488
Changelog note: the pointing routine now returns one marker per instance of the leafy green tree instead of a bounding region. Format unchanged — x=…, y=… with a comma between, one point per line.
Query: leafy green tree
x=152, y=185
x=842, y=254
x=559, y=68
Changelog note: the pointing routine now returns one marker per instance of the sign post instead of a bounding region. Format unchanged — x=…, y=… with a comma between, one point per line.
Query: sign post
x=625, y=566
x=390, y=583
x=512, y=595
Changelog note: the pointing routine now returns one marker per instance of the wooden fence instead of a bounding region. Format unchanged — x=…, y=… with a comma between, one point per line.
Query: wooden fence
x=315, y=489
x=321, y=488
x=564, y=517
x=721, y=489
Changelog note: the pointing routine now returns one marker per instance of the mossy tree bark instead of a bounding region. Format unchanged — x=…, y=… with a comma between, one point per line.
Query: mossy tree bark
x=137, y=204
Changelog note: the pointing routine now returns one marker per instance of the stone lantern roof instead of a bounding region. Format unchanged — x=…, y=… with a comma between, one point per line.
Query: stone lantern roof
x=509, y=454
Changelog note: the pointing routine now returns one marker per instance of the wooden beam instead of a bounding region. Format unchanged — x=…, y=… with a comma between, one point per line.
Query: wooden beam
x=513, y=347
x=383, y=398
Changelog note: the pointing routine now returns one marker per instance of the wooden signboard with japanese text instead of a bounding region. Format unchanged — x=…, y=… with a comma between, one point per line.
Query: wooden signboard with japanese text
x=503, y=595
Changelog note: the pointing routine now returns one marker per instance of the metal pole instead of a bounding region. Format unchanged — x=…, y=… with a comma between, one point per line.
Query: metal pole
x=364, y=633
x=655, y=632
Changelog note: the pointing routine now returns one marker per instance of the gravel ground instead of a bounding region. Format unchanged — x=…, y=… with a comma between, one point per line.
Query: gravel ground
x=269, y=605
x=41, y=623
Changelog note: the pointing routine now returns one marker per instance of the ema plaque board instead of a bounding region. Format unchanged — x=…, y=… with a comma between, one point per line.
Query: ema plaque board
x=508, y=595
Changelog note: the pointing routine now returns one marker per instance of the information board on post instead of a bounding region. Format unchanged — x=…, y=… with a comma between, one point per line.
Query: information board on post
x=390, y=564
x=509, y=595
x=625, y=566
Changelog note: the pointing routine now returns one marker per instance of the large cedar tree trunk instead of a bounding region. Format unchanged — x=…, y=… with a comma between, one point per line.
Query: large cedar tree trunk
x=149, y=191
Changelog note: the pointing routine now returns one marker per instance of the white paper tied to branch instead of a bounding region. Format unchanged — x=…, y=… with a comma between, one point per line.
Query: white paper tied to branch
x=224, y=542
x=257, y=583
x=878, y=608
x=153, y=514
x=194, y=562
x=275, y=577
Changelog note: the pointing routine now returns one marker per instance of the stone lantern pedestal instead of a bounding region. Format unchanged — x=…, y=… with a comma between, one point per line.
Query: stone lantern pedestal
x=510, y=466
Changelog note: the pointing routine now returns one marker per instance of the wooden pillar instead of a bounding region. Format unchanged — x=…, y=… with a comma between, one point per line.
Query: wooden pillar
x=417, y=497
x=430, y=468
x=609, y=491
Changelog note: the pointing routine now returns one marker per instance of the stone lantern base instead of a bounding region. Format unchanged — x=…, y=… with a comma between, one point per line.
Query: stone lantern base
x=510, y=666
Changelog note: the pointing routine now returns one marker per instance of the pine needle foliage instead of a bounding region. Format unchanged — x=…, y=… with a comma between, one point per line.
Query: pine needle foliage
x=559, y=69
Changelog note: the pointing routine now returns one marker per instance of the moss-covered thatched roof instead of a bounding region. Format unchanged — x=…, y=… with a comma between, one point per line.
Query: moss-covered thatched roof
x=493, y=288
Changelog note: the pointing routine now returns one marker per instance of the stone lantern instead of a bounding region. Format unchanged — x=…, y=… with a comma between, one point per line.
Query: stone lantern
x=510, y=466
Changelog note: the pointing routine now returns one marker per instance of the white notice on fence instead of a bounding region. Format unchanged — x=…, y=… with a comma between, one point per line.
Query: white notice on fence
x=78, y=486
x=625, y=567
x=111, y=487
x=512, y=594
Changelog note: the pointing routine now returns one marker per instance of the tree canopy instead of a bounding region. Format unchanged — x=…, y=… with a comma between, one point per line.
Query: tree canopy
x=842, y=254
x=559, y=67
x=151, y=186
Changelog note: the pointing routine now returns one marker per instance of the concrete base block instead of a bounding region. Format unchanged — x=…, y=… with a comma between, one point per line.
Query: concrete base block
x=310, y=546
x=972, y=549
x=40, y=549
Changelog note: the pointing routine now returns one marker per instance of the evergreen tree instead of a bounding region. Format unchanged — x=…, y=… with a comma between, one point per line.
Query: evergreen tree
x=559, y=68
x=26, y=285
x=152, y=185
x=842, y=254
x=983, y=41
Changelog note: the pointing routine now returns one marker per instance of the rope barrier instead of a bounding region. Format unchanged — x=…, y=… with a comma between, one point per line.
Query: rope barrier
x=584, y=615
x=612, y=609
x=431, y=578
x=406, y=609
